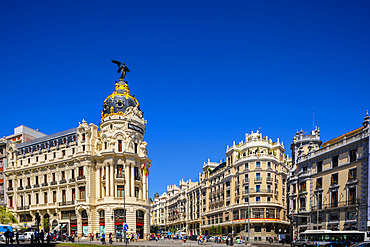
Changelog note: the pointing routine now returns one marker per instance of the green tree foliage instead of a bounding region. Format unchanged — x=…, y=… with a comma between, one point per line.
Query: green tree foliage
x=6, y=216
x=219, y=230
x=213, y=230
x=45, y=224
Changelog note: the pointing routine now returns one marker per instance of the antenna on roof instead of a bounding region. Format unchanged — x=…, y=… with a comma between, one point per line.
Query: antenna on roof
x=313, y=120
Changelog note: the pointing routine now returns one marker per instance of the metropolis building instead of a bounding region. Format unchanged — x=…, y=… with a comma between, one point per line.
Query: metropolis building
x=88, y=179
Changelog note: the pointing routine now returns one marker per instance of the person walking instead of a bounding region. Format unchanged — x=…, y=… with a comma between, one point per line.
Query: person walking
x=103, y=238
x=110, y=238
x=17, y=237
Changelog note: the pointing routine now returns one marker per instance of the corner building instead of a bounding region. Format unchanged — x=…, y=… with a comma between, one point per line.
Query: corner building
x=254, y=174
x=85, y=180
x=329, y=183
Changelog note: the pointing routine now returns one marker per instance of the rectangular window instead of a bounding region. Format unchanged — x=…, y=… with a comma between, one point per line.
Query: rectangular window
x=82, y=192
x=37, y=180
x=83, y=137
x=136, y=173
x=318, y=183
x=63, y=175
x=352, y=174
x=246, y=178
x=136, y=192
x=45, y=197
x=10, y=183
x=63, y=152
x=334, y=199
x=353, y=155
x=53, y=177
x=20, y=182
x=258, y=188
x=258, y=176
x=28, y=181
x=135, y=148
x=119, y=145
x=258, y=199
x=54, y=196
x=268, y=164
x=319, y=166
x=37, y=198
x=120, y=170
x=334, y=179
x=257, y=228
x=73, y=173
x=302, y=186
x=334, y=217
x=10, y=201
x=120, y=190
x=335, y=161
x=29, y=199
x=73, y=195
x=64, y=196
x=80, y=171
x=46, y=157
x=246, y=166
x=45, y=178
x=258, y=164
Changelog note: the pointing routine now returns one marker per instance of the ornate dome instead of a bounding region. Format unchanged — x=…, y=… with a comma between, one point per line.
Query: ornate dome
x=119, y=100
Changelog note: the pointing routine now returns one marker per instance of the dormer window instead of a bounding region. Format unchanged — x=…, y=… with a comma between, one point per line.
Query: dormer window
x=55, y=143
x=119, y=104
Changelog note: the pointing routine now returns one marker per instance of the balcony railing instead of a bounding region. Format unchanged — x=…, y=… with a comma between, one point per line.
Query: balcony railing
x=261, y=191
x=352, y=202
x=36, y=186
x=44, y=184
x=67, y=203
x=10, y=188
x=269, y=179
x=53, y=183
x=71, y=180
x=81, y=177
x=20, y=188
x=23, y=207
x=258, y=180
x=120, y=175
x=28, y=187
x=63, y=181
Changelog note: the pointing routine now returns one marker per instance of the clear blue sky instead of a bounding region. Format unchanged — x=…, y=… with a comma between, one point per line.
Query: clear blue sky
x=204, y=72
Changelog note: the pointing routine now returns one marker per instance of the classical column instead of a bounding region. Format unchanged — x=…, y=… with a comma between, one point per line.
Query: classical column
x=111, y=181
x=127, y=180
x=106, y=180
x=98, y=181
x=144, y=185
x=132, y=180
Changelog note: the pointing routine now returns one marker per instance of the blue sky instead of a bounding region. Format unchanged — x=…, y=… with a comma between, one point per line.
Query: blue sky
x=204, y=72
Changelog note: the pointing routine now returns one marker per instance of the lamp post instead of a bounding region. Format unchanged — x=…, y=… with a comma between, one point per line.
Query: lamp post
x=124, y=209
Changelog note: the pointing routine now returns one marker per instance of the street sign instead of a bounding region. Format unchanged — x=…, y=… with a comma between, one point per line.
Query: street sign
x=24, y=225
x=125, y=227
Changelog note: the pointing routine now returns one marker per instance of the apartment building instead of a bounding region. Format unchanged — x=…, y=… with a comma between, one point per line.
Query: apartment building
x=328, y=183
x=254, y=175
x=21, y=134
x=158, y=210
x=85, y=179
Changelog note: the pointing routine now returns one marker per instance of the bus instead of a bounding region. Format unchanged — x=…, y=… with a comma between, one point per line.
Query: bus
x=3, y=228
x=322, y=237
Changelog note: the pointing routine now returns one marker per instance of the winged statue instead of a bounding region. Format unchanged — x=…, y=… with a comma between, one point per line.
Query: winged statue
x=121, y=68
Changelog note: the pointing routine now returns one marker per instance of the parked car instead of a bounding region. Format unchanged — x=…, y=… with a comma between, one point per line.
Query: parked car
x=21, y=238
x=303, y=243
x=27, y=235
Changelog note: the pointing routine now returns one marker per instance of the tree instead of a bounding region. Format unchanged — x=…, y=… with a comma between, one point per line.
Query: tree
x=213, y=230
x=6, y=216
x=219, y=230
x=45, y=224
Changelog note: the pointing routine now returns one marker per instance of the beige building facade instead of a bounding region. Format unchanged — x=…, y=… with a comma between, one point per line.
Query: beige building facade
x=88, y=179
x=328, y=183
x=254, y=174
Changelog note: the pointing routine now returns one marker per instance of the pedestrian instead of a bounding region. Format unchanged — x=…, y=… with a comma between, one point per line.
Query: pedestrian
x=227, y=240
x=110, y=238
x=103, y=238
x=11, y=235
x=42, y=235
x=17, y=236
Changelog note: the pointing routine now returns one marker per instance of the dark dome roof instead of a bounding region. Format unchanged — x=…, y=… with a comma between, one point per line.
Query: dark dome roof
x=119, y=100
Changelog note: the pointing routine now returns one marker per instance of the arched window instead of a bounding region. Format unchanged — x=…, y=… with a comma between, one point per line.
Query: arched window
x=84, y=214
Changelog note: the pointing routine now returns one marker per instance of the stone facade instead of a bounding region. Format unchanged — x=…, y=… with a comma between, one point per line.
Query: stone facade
x=86, y=179
x=256, y=169
x=328, y=184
